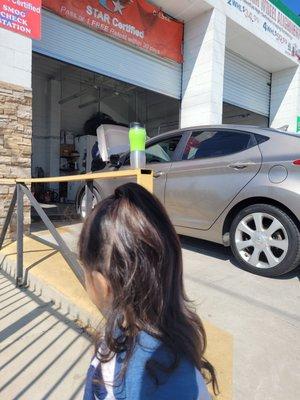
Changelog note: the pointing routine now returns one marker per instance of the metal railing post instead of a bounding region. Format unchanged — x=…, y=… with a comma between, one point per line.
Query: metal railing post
x=64, y=249
x=144, y=178
x=8, y=217
x=20, y=232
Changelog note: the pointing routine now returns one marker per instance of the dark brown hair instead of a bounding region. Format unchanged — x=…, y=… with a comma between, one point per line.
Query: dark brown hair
x=130, y=239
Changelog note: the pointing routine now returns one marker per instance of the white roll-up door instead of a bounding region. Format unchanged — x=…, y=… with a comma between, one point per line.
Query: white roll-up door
x=246, y=85
x=77, y=45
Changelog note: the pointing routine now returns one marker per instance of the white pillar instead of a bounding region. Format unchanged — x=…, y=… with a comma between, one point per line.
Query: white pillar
x=285, y=98
x=15, y=59
x=54, y=124
x=203, y=69
x=15, y=116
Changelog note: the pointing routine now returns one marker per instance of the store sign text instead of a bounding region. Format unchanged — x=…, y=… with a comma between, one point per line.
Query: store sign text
x=135, y=22
x=22, y=17
x=272, y=22
x=106, y=18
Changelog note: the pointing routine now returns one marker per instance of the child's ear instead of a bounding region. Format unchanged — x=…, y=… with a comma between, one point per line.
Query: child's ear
x=101, y=282
x=102, y=291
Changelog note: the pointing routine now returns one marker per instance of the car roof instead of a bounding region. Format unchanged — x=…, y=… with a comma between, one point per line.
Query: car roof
x=246, y=128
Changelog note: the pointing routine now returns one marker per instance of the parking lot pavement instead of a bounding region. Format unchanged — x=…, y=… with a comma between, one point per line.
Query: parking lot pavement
x=262, y=314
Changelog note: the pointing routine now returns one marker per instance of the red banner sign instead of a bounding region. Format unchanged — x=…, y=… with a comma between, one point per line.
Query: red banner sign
x=22, y=17
x=135, y=22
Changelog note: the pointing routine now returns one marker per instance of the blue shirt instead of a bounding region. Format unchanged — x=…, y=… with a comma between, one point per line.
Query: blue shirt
x=184, y=383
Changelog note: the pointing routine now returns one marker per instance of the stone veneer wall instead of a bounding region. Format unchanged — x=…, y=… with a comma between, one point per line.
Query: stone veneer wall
x=15, y=143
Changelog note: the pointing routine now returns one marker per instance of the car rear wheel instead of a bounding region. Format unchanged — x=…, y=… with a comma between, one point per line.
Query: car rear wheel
x=265, y=240
x=81, y=208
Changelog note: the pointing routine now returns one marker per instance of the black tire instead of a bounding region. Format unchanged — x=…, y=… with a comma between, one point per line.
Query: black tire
x=80, y=197
x=292, y=258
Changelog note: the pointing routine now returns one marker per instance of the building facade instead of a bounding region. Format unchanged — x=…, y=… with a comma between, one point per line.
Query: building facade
x=240, y=65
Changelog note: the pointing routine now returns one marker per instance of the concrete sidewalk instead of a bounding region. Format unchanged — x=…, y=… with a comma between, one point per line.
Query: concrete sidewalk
x=44, y=355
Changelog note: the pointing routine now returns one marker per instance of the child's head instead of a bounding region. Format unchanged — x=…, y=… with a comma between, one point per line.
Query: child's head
x=133, y=268
x=132, y=258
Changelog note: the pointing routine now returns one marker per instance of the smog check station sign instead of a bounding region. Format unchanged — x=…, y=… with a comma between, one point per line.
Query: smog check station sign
x=134, y=22
x=23, y=17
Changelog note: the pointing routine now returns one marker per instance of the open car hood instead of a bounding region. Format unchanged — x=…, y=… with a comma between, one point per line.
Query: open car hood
x=112, y=139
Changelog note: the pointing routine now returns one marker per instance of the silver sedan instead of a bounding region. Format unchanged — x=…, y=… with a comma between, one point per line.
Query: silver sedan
x=234, y=185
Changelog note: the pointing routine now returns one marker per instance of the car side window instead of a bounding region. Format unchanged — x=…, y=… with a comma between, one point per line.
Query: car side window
x=160, y=152
x=163, y=151
x=206, y=144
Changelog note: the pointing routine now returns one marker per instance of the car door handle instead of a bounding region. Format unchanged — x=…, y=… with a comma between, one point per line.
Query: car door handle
x=157, y=174
x=241, y=165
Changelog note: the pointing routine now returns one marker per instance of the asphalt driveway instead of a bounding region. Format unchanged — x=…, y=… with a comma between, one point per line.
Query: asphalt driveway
x=262, y=314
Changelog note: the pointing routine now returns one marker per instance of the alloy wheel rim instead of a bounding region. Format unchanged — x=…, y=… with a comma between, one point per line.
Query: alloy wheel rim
x=261, y=240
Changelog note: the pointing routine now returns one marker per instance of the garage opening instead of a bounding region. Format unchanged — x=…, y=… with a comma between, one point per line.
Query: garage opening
x=240, y=116
x=69, y=103
x=247, y=92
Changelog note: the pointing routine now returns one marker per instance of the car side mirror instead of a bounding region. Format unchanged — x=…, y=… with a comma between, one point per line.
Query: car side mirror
x=115, y=160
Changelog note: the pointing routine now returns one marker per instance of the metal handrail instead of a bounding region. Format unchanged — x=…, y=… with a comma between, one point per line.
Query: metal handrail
x=144, y=178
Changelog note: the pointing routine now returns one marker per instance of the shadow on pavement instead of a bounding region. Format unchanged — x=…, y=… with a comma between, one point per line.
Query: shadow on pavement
x=206, y=248
x=224, y=253
x=41, y=348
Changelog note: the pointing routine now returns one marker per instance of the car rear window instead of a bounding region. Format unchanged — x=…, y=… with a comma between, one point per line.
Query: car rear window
x=261, y=138
x=206, y=144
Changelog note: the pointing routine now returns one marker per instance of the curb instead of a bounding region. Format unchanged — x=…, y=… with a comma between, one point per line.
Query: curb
x=49, y=293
